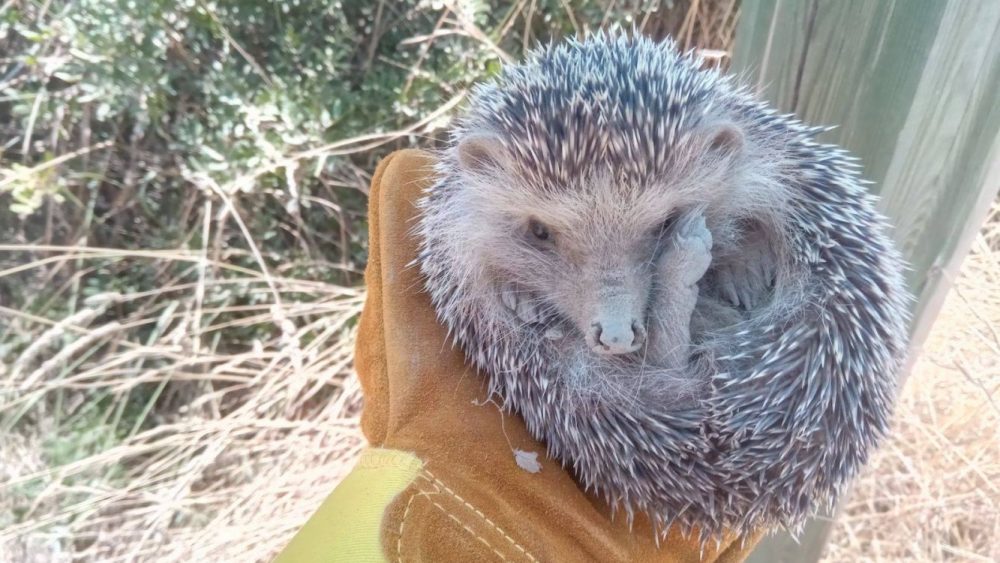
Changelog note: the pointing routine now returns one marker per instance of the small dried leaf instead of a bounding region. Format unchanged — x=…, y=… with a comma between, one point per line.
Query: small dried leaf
x=527, y=461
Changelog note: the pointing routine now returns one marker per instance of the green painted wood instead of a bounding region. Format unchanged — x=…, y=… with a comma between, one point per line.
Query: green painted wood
x=914, y=88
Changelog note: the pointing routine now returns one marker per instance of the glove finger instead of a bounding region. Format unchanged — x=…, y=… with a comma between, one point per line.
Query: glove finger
x=402, y=349
x=405, y=303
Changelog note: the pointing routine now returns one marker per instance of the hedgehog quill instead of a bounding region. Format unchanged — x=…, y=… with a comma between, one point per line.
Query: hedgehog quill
x=688, y=298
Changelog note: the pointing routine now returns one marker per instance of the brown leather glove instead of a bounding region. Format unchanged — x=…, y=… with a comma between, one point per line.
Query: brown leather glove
x=441, y=482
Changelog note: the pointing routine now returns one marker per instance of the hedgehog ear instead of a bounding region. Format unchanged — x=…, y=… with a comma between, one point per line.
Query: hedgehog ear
x=480, y=152
x=724, y=139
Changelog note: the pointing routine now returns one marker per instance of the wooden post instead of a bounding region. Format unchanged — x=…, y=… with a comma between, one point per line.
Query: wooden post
x=913, y=88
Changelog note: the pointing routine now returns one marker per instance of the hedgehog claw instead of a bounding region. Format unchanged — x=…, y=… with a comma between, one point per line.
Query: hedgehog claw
x=747, y=295
x=727, y=286
x=759, y=274
x=527, y=311
x=508, y=296
x=520, y=303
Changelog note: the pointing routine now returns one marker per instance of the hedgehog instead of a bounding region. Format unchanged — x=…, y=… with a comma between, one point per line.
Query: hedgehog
x=689, y=299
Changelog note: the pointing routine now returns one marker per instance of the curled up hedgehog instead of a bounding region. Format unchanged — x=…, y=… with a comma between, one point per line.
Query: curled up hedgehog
x=693, y=303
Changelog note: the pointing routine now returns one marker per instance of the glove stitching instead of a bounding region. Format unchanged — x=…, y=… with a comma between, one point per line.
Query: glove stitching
x=399, y=532
x=434, y=480
x=427, y=495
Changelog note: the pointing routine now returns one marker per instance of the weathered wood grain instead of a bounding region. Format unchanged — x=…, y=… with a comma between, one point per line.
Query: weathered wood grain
x=914, y=88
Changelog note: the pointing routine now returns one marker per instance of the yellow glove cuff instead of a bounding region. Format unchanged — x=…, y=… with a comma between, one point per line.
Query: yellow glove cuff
x=347, y=526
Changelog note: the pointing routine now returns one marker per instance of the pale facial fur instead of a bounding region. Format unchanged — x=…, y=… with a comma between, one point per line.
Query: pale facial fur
x=612, y=273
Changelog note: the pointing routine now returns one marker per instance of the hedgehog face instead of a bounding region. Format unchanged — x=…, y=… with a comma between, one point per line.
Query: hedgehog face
x=591, y=273
x=580, y=257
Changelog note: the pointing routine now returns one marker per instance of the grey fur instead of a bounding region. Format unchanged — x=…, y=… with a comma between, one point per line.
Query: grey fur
x=751, y=408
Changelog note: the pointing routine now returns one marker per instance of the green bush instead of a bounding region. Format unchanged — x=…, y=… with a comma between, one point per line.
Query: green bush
x=242, y=94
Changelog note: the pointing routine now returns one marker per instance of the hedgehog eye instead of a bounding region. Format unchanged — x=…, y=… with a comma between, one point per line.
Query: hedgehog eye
x=666, y=225
x=538, y=230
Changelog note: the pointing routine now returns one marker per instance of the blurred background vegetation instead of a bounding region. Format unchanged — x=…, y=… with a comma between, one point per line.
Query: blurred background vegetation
x=182, y=234
x=115, y=114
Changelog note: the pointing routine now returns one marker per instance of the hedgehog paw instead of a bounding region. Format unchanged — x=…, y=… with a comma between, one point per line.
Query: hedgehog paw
x=690, y=252
x=520, y=302
x=745, y=283
x=742, y=286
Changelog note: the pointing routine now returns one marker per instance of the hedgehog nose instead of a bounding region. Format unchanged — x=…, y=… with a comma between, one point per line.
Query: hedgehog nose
x=616, y=336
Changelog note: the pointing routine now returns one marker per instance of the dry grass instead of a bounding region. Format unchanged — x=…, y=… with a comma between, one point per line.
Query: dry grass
x=933, y=491
x=244, y=442
x=264, y=434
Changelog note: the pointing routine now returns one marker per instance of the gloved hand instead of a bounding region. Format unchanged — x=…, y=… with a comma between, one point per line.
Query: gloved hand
x=440, y=481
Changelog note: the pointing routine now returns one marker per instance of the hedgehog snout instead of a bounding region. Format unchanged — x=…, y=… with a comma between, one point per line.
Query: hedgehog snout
x=611, y=308
x=616, y=336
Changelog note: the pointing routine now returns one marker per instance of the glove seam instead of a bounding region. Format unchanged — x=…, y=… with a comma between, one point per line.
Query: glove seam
x=402, y=522
x=427, y=494
x=431, y=478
